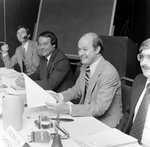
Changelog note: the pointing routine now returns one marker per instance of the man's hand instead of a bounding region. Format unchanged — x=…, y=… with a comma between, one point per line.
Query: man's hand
x=26, y=64
x=20, y=82
x=5, y=48
x=59, y=107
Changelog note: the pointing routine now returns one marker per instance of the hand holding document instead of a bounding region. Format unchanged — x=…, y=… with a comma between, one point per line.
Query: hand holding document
x=36, y=95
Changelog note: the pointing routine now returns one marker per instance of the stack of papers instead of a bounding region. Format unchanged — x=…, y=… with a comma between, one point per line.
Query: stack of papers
x=108, y=138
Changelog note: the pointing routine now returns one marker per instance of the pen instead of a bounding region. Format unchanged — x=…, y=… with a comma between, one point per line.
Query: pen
x=13, y=87
x=63, y=130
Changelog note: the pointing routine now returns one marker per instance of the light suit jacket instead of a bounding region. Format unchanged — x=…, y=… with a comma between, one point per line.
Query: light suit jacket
x=137, y=89
x=32, y=58
x=103, y=98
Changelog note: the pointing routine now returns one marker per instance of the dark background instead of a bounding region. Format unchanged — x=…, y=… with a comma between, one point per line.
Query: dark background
x=131, y=19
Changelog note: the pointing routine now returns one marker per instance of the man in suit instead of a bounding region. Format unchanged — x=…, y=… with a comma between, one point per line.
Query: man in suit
x=136, y=121
x=54, y=71
x=25, y=55
x=100, y=95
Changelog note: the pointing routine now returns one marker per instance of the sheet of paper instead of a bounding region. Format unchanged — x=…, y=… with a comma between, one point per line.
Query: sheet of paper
x=10, y=89
x=36, y=95
x=79, y=128
x=9, y=73
x=109, y=138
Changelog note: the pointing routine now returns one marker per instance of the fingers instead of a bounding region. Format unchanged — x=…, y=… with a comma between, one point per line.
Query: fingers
x=5, y=48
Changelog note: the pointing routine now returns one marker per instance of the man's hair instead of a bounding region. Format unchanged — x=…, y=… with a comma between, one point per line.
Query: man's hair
x=97, y=41
x=26, y=28
x=145, y=45
x=51, y=35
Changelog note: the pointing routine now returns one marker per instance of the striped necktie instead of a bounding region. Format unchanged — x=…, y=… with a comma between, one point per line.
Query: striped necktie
x=87, y=77
x=139, y=122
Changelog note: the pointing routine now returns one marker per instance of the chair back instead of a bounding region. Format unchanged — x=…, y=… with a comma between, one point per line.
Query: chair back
x=126, y=92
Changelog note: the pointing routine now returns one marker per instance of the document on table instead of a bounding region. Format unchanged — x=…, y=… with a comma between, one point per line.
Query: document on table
x=9, y=73
x=36, y=111
x=108, y=138
x=36, y=95
x=86, y=126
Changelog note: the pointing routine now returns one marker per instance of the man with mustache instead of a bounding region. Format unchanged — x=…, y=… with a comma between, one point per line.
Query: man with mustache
x=136, y=120
x=98, y=86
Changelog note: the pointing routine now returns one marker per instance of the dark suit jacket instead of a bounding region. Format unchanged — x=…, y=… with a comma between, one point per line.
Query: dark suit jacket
x=57, y=75
x=137, y=88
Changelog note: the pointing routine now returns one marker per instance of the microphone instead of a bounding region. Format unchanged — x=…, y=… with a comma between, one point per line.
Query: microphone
x=25, y=37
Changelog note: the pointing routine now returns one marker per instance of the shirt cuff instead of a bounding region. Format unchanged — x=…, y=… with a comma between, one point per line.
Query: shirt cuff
x=61, y=96
x=70, y=109
x=4, y=54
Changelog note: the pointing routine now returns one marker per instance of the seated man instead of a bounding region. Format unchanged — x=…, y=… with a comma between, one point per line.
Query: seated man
x=98, y=86
x=136, y=121
x=54, y=71
x=25, y=55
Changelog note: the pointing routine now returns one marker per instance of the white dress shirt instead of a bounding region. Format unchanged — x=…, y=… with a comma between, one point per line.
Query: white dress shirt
x=146, y=132
x=25, y=46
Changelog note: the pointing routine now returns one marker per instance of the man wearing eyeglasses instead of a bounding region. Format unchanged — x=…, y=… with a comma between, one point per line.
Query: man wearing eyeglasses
x=136, y=120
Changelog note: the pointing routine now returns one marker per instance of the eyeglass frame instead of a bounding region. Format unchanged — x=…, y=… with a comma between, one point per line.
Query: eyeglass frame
x=147, y=57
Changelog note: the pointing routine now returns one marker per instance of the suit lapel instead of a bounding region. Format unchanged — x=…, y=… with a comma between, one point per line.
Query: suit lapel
x=20, y=54
x=94, y=79
x=29, y=51
x=138, y=89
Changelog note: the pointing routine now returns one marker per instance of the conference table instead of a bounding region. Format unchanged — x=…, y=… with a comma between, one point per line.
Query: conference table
x=81, y=130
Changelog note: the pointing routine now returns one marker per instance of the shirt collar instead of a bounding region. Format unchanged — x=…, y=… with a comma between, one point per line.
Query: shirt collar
x=48, y=57
x=94, y=65
x=148, y=81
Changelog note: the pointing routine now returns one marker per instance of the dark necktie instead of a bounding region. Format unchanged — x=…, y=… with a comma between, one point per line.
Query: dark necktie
x=139, y=122
x=87, y=77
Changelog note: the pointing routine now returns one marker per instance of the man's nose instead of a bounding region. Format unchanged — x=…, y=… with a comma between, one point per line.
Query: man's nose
x=80, y=52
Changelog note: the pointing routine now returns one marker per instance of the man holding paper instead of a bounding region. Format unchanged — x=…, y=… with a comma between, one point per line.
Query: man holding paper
x=54, y=71
x=98, y=86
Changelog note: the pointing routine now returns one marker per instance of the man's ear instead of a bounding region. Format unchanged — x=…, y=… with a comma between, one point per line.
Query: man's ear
x=98, y=48
x=28, y=35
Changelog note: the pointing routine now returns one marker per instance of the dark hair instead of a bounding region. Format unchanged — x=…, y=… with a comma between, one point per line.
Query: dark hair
x=51, y=35
x=97, y=41
x=23, y=26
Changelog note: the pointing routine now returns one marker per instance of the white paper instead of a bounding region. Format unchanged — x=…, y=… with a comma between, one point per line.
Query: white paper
x=36, y=95
x=11, y=81
x=80, y=128
x=108, y=138
x=9, y=73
